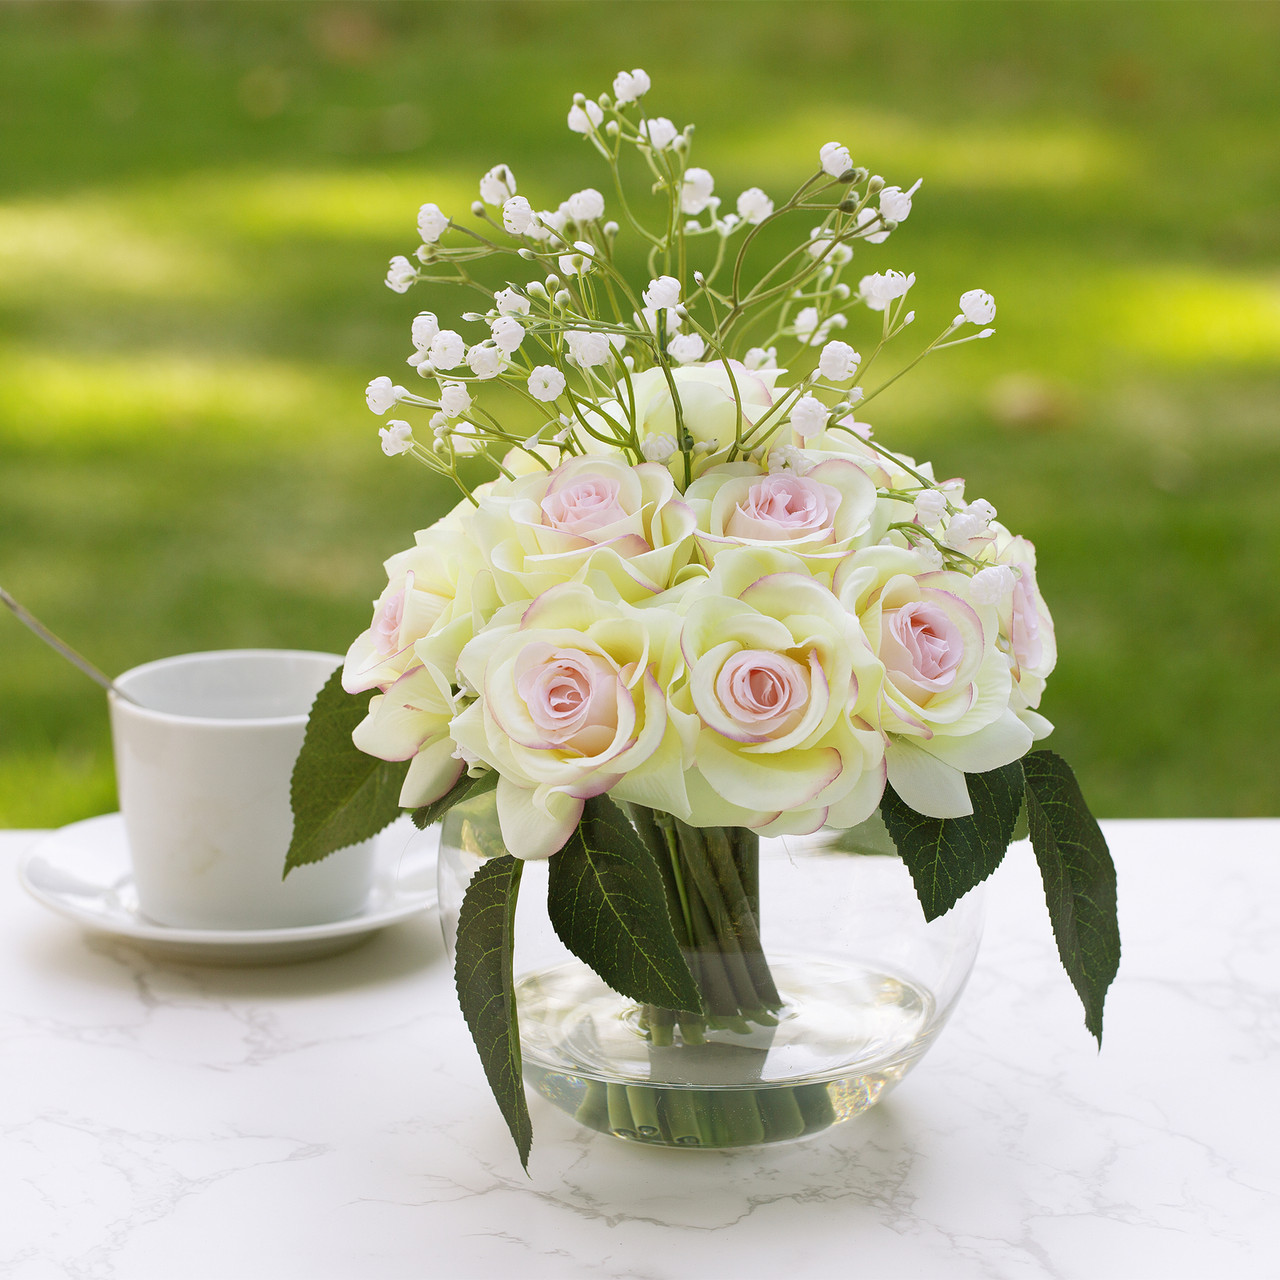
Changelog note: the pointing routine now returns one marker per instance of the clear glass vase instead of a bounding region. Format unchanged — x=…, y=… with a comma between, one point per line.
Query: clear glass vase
x=859, y=986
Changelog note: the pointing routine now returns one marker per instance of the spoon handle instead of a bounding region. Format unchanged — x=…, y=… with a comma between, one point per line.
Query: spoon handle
x=61, y=646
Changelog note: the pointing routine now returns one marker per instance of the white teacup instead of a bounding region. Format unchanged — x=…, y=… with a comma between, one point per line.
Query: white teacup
x=203, y=768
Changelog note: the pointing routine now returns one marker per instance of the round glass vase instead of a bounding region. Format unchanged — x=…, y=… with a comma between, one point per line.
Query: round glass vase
x=863, y=986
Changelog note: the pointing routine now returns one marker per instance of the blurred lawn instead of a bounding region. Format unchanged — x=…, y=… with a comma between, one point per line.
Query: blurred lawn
x=197, y=202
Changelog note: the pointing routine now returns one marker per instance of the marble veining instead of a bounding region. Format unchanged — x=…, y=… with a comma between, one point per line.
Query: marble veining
x=329, y=1119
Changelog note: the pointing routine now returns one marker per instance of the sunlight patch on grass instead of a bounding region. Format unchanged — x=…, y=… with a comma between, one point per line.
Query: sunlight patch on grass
x=157, y=240
x=1193, y=316
x=95, y=243
x=46, y=397
x=1051, y=156
x=338, y=204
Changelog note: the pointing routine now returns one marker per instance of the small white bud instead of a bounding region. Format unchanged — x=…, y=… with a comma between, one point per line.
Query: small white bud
x=808, y=416
x=432, y=224
x=381, y=394
x=838, y=362
x=658, y=448
x=992, y=584
x=835, y=159
x=401, y=273
x=930, y=506
x=584, y=116
x=397, y=437
x=455, y=399
x=662, y=293
x=497, y=186
x=546, y=383
x=686, y=348
x=977, y=306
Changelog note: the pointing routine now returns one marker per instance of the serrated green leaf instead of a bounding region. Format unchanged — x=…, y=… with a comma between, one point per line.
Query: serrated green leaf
x=948, y=856
x=486, y=988
x=606, y=901
x=466, y=788
x=339, y=795
x=1079, y=880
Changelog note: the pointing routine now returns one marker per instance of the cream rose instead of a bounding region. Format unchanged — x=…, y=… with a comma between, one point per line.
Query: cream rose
x=592, y=518
x=411, y=722
x=709, y=408
x=1026, y=628
x=780, y=682
x=429, y=586
x=819, y=513
x=945, y=699
x=571, y=703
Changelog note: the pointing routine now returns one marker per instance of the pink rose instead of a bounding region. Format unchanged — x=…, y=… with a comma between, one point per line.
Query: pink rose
x=572, y=698
x=387, y=619
x=1028, y=648
x=779, y=508
x=818, y=512
x=921, y=648
x=583, y=505
x=764, y=693
x=595, y=517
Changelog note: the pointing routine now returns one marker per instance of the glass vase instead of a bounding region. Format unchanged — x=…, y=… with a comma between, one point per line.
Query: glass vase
x=822, y=981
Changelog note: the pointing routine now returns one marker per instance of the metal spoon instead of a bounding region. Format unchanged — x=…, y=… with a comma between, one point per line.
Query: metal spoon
x=62, y=647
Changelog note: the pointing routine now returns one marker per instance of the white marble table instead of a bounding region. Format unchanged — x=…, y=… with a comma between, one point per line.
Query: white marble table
x=330, y=1120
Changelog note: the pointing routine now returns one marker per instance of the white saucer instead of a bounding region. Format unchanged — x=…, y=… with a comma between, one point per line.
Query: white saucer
x=82, y=872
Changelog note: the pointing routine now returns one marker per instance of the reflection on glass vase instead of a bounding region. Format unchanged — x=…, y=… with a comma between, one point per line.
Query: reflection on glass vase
x=822, y=985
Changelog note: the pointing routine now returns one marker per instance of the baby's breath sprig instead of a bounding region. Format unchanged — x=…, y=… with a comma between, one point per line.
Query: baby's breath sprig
x=571, y=338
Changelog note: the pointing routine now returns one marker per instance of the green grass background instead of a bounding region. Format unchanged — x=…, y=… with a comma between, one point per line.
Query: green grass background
x=197, y=201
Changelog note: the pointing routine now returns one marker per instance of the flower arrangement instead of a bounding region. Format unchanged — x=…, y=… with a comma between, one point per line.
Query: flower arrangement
x=700, y=602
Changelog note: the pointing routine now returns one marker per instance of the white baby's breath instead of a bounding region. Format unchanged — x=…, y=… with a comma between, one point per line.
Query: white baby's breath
x=517, y=214
x=586, y=349
x=754, y=206
x=835, y=159
x=586, y=205
x=977, y=306
x=424, y=328
x=397, y=437
x=629, y=85
x=686, y=348
x=401, y=273
x=838, y=362
x=447, y=349
x=546, y=383
x=508, y=333
x=498, y=185
x=808, y=416
x=511, y=302
x=659, y=133
x=662, y=293
x=486, y=360
x=895, y=204
x=455, y=399
x=585, y=118
x=879, y=290
x=432, y=224
x=381, y=394
x=695, y=191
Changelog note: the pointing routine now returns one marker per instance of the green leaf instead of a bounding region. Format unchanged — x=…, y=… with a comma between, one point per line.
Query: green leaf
x=948, y=856
x=466, y=788
x=486, y=988
x=1079, y=880
x=340, y=796
x=606, y=901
